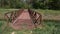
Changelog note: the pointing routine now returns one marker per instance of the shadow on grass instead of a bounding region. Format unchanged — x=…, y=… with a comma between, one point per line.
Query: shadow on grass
x=53, y=22
x=3, y=20
x=57, y=21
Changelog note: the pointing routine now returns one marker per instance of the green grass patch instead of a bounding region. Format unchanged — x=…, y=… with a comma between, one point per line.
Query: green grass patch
x=50, y=27
x=2, y=26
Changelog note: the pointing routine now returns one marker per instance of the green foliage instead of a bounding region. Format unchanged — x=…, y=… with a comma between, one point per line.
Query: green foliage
x=36, y=4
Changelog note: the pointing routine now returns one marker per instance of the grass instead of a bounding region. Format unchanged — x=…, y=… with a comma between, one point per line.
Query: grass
x=50, y=26
x=49, y=11
x=2, y=26
x=54, y=12
x=43, y=12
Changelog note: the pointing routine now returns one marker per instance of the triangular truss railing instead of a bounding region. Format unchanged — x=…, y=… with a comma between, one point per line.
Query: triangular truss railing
x=14, y=15
x=33, y=15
